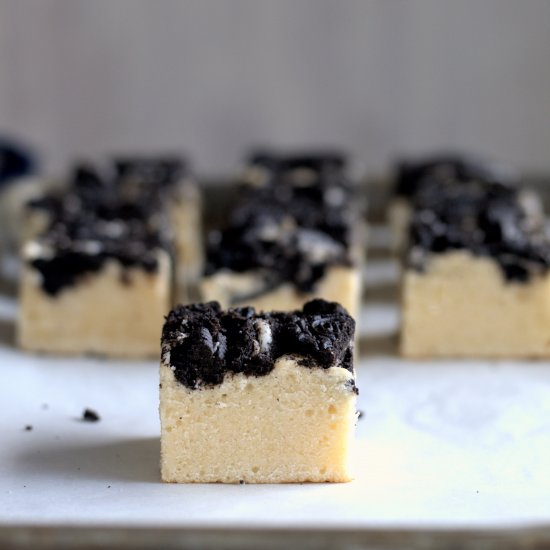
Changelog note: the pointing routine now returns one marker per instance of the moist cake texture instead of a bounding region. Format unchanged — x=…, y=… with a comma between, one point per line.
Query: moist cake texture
x=263, y=398
x=114, y=311
x=463, y=306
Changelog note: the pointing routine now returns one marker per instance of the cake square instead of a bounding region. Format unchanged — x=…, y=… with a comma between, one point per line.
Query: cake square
x=97, y=285
x=257, y=397
x=293, y=238
x=476, y=282
x=159, y=189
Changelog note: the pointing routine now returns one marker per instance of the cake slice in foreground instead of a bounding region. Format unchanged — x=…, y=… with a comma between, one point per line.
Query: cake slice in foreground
x=257, y=397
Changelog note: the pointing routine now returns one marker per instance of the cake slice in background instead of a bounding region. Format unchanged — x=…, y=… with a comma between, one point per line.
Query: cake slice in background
x=476, y=279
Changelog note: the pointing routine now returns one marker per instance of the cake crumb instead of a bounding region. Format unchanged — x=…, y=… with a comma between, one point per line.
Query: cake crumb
x=89, y=415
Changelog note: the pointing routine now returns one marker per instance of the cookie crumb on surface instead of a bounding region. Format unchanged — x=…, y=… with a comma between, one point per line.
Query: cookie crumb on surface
x=28, y=428
x=89, y=415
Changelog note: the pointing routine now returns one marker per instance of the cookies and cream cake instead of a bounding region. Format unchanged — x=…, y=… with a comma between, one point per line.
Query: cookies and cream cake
x=257, y=397
x=97, y=280
x=273, y=257
x=161, y=186
x=291, y=239
x=476, y=280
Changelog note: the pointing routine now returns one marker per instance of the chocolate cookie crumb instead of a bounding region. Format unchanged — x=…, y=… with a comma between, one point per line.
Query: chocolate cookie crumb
x=28, y=428
x=89, y=415
x=486, y=219
x=292, y=224
x=449, y=166
x=110, y=213
x=204, y=343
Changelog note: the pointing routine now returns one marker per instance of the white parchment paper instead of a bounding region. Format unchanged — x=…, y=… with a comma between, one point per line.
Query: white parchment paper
x=440, y=444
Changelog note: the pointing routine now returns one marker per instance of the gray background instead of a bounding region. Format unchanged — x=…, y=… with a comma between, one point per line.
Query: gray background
x=82, y=77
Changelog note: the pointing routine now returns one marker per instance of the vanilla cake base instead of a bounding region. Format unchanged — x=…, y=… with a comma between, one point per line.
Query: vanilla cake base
x=340, y=284
x=462, y=306
x=116, y=311
x=294, y=424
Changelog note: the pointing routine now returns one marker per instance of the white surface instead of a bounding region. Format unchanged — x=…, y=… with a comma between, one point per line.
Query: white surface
x=439, y=444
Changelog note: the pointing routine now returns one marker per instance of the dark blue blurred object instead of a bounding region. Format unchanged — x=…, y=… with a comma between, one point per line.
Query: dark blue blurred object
x=15, y=161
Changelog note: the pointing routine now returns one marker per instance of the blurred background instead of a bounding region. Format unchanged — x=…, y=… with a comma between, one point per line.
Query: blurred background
x=214, y=77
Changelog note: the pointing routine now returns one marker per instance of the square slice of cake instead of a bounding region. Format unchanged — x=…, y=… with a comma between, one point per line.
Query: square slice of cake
x=477, y=279
x=280, y=252
x=94, y=286
x=257, y=397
